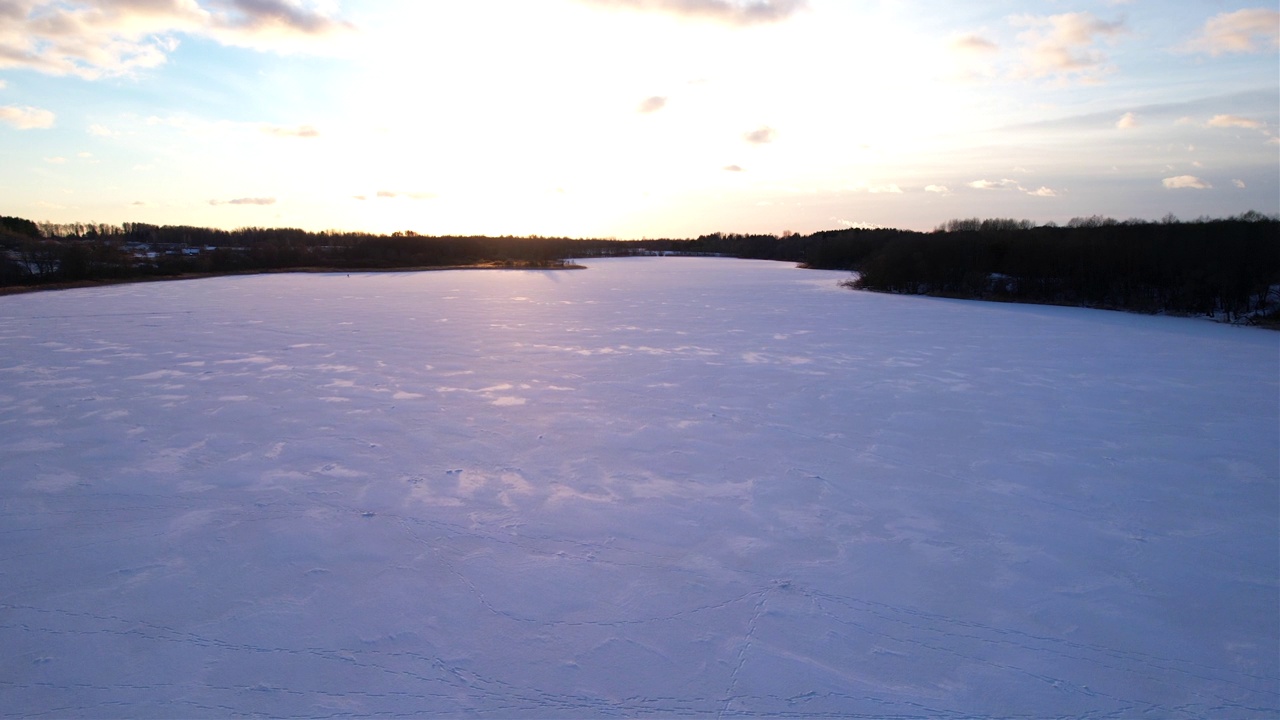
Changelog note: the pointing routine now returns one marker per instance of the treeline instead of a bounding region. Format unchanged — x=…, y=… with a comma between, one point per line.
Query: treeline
x=1227, y=266
x=46, y=253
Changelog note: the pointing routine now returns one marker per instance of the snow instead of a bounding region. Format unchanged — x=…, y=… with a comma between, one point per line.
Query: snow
x=657, y=486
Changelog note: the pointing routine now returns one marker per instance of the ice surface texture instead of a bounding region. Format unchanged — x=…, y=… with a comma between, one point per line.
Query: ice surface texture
x=660, y=486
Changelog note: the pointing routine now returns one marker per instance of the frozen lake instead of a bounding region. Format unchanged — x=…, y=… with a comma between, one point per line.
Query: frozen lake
x=658, y=486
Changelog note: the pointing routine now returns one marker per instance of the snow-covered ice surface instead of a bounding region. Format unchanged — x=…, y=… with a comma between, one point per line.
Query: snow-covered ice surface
x=660, y=486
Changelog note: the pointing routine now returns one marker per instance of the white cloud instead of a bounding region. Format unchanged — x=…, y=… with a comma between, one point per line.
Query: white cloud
x=1008, y=184
x=994, y=184
x=1234, y=121
x=1064, y=47
x=973, y=43
x=1243, y=31
x=26, y=117
x=731, y=12
x=301, y=131
x=3, y=84
x=56, y=160
x=973, y=58
x=245, y=201
x=734, y=168
x=392, y=194
x=1186, y=182
x=760, y=136
x=652, y=104
x=890, y=189
x=102, y=131
x=940, y=189
x=857, y=224
x=102, y=38
x=1238, y=183
x=1127, y=121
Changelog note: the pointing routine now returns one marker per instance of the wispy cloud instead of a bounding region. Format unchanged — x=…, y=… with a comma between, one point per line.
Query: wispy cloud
x=1235, y=121
x=103, y=38
x=652, y=104
x=1243, y=31
x=1239, y=183
x=939, y=189
x=993, y=184
x=1008, y=184
x=245, y=201
x=973, y=57
x=730, y=12
x=392, y=194
x=890, y=189
x=26, y=117
x=760, y=136
x=1186, y=182
x=1066, y=47
x=1127, y=121
x=734, y=168
x=301, y=131
x=974, y=43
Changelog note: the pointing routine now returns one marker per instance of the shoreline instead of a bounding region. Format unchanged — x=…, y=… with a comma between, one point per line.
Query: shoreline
x=105, y=282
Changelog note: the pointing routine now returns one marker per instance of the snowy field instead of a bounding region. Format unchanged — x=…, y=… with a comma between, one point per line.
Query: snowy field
x=659, y=486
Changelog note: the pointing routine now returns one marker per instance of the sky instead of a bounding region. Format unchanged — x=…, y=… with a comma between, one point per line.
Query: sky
x=635, y=118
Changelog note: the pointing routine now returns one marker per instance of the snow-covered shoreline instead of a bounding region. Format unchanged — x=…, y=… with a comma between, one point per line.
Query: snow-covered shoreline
x=661, y=486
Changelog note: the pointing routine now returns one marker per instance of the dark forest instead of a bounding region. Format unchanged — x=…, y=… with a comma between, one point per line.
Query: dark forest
x=1228, y=268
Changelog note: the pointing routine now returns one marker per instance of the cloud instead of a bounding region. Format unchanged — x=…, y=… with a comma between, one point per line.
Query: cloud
x=245, y=201
x=972, y=58
x=858, y=224
x=273, y=24
x=101, y=131
x=302, y=131
x=26, y=117
x=391, y=194
x=734, y=168
x=1064, y=47
x=760, y=136
x=974, y=44
x=1127, y=121
x=993, y=184
x=1234, y=121
x=1243, y=31
x=3, y=84
x=104, y=38
x=939, y=189
x=890, y=189
x=652, y=104
x=1238, y=183
x=1186, y=182
x=1007, y=184
x=729, y=12
x=56, y=160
